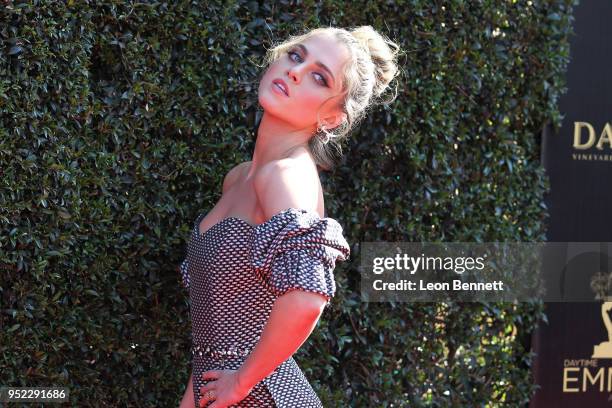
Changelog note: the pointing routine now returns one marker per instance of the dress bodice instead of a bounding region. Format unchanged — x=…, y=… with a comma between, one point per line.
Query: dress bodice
x=235, y=271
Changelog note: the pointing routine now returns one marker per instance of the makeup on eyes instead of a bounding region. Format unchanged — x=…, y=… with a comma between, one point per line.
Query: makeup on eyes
x=323, y=79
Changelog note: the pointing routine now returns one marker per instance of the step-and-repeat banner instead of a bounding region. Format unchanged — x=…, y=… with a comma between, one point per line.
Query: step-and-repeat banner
x=573, y=366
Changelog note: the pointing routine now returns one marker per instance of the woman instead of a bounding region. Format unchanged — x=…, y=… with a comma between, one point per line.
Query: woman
x=259, y=265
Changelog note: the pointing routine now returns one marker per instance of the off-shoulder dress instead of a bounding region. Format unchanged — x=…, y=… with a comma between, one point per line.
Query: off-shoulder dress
x=234, y=272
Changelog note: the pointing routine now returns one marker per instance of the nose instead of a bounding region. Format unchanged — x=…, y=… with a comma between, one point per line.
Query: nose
x=295, y=74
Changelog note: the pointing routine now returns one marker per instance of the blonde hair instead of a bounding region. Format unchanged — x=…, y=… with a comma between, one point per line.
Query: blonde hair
x=372, y=65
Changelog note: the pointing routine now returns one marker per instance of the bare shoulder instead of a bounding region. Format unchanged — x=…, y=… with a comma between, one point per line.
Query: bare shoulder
x=291, y=182
x=234, y=174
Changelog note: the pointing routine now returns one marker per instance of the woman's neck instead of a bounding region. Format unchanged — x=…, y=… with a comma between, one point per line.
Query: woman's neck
x=275, y=141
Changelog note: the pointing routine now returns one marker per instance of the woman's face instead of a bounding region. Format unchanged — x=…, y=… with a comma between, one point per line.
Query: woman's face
x=309, y=84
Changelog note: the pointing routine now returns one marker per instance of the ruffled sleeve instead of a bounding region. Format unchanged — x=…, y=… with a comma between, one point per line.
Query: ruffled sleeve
x=185, y=273
x=296, y=249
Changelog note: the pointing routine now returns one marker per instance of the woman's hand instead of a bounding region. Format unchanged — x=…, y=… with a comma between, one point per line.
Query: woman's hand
x=224, y=390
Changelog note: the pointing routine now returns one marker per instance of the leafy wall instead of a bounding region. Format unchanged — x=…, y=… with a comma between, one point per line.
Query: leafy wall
x=118, y=121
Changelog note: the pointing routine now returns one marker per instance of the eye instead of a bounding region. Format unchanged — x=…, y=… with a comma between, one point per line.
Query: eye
x=290, y=53
x=323, y=81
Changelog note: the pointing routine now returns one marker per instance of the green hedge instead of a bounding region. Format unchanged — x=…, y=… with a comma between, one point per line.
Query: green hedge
x=118, y=122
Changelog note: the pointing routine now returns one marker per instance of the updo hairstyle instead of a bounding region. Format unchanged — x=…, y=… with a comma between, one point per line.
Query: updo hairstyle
x=366, y=76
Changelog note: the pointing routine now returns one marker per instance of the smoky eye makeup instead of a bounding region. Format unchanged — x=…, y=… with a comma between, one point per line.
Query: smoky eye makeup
x=295, y=51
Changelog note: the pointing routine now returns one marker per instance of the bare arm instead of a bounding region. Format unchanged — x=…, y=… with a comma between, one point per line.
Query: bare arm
x=188, y=401
x=278, y=185
x=293, y=317
x=294, y=314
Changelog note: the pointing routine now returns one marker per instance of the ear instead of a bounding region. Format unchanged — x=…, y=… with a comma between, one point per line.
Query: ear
x=331, y=122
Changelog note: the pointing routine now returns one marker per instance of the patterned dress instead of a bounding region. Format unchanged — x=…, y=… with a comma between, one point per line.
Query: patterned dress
x=234, y=272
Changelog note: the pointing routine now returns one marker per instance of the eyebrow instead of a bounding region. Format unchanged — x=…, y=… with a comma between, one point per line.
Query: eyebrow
x=319, y=63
